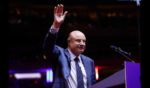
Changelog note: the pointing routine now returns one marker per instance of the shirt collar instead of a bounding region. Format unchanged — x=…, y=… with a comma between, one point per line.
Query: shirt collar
x=72, y=56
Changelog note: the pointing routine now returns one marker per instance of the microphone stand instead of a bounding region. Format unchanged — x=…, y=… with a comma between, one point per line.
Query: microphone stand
x=125, y=54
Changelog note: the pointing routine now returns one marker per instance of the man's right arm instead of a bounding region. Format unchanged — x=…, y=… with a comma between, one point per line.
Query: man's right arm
x=51, y=36
x=49, y=41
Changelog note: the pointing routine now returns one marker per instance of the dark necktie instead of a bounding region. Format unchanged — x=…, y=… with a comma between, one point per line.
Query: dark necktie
x=80, y=83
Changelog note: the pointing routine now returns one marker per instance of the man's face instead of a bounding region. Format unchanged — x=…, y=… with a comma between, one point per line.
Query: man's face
x=77, y=42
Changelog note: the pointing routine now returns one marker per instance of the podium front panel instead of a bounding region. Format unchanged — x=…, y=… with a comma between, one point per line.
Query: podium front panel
x=132, y=75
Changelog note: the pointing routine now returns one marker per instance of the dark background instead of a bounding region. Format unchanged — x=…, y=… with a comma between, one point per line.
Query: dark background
x=104, y=22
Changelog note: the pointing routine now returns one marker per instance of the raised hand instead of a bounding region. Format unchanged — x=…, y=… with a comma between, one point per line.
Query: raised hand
x=59, y=15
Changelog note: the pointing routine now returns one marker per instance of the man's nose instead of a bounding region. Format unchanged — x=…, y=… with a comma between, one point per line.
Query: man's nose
x=82, y=43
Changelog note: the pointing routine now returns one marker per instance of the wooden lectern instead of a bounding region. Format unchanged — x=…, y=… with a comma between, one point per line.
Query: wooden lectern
x=129, y=77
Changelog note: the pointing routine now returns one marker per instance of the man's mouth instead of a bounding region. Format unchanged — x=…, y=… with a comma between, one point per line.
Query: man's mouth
x=81, y=47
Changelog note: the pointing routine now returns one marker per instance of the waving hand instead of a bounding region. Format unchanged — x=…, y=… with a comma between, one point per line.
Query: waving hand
x=59, y=15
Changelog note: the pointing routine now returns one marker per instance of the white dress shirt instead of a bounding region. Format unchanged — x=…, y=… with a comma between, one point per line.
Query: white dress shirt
x=72, y=79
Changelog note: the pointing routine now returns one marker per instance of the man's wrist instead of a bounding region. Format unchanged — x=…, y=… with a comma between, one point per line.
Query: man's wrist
x=56, y=25
x=53, y=29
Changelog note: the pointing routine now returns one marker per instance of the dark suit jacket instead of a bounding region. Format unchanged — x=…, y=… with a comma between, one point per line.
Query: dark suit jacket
x=60, y=60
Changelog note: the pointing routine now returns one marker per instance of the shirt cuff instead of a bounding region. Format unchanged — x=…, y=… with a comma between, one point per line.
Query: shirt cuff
x=53, y=30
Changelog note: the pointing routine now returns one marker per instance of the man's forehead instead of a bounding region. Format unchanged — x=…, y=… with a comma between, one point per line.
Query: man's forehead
x=76, y=33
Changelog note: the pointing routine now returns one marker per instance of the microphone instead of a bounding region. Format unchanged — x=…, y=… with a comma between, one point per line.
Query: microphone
x=120, y=51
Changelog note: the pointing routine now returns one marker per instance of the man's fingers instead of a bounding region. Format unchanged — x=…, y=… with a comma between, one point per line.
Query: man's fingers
x=65, y=13
x=55, y=8
x=59, y=8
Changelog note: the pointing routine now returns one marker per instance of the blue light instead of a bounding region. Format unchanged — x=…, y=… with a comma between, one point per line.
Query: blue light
x=49, y=76
x=48, y=71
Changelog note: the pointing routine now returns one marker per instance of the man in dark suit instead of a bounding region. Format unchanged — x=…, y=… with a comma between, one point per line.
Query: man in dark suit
x=68, y=64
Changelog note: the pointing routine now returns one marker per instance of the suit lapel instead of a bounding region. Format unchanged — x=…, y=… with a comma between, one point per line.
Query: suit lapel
x=66, y=71
x=67, y=55
x=86, y=65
